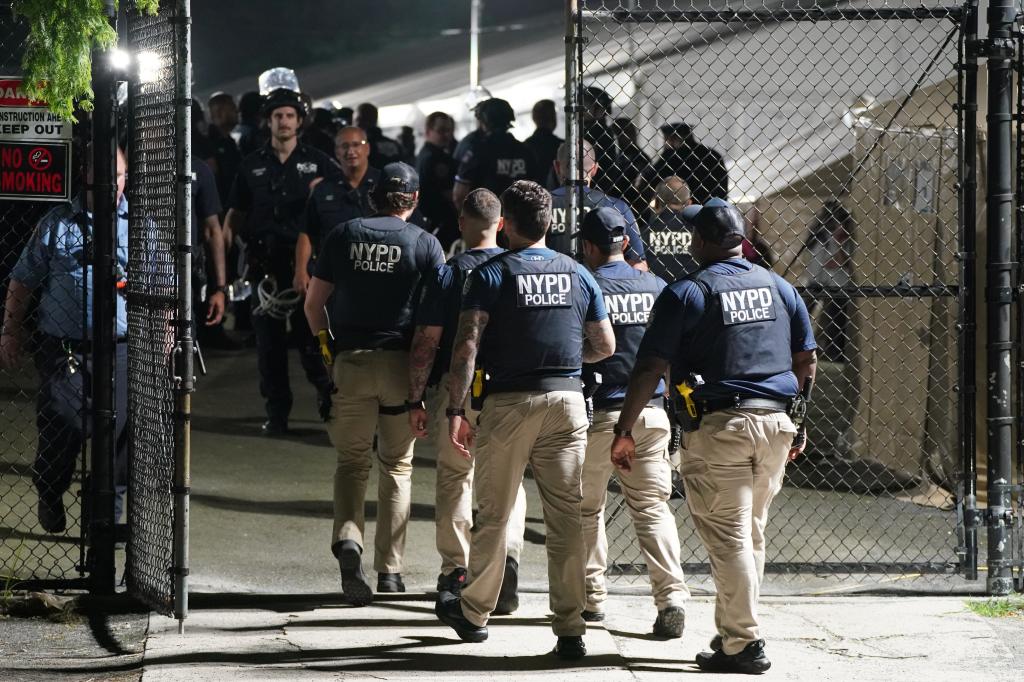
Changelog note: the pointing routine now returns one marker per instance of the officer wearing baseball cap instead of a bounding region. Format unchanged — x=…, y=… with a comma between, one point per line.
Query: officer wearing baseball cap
x=265, y=210
x=629, y=296
x=738, y=341
x=497, y=159
x=374, y=268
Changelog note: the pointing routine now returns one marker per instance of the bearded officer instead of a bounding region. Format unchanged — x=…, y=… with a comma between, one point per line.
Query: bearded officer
x=533, y=316
x=629, y=295
x=374, y=268
x=740, y=336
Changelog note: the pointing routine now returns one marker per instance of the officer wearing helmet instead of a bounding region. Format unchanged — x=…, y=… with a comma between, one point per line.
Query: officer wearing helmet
x=737, y=343
x=370, y=273
x=497, y=159
x=265, y=209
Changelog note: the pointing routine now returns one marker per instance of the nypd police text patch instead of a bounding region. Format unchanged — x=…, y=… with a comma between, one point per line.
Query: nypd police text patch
x=370, y=257
x=548, y=290
x=628, y=309
x=744, y=306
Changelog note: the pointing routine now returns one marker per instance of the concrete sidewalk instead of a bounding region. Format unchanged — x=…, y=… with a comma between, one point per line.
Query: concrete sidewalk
x=243, y=637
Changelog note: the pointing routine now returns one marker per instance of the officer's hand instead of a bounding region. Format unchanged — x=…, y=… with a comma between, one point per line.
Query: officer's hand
x=301, y=281
x=215, y=308
x=799, y=445
x=418, y=422
x=623, y=452
x=461, y=435
x=10, y=349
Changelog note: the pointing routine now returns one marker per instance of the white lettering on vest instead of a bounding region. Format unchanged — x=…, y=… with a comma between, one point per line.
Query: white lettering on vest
x=546, y=290
x=512, y=168
x=747, y=305
x=669, y=243
x=368, y=257
x=629, y=309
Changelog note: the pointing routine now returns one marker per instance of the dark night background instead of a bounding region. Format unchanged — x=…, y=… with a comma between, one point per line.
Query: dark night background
x=238, y=38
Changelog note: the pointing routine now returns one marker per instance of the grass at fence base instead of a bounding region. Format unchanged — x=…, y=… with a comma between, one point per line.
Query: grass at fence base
x=1007, y=607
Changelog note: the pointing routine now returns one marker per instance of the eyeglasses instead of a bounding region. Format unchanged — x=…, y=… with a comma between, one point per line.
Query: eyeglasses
x=345, y=146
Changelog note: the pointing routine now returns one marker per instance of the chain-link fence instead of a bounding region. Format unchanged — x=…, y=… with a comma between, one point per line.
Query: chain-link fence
x=155, y=251
x=835, y=128
x=44, y=367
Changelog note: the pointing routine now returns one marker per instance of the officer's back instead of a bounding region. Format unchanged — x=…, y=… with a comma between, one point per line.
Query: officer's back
x=497, y=159
x=667, y=241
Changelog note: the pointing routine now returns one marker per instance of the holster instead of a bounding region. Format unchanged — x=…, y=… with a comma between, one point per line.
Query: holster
x=591, y=382
x=479, y=390
x=687, y=412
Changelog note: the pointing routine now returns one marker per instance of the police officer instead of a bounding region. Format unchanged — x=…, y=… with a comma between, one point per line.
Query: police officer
x=436, y=168
x=669, y=231
x=559, y=239
x=533, y=316
x=383, y=150
x=741, y=336
x=497, y=159
x=374, y=268
x=53, y=263
x=629, y=295
x=436, y=320
x=266, y=203
x=702, y=168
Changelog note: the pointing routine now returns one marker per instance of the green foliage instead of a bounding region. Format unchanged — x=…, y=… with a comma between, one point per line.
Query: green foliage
x=998, y=608
x=57, y=65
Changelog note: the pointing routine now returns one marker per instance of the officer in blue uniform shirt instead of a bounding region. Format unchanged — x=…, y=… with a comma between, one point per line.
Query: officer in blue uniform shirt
x=533, y=316
x=740, y=336
x=629, y=295
x=266, y=205
x=54, y=263
x=374, y=268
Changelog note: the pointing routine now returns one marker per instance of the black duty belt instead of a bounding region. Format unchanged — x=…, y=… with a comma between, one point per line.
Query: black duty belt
x=392, y=410
x=736, y=402
x=616, y=403
x=543, y=384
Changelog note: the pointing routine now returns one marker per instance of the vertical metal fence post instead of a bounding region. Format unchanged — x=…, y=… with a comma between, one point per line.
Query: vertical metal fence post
x=999, y=293
x=104, y=320
x=185, y=350
x=572, y=136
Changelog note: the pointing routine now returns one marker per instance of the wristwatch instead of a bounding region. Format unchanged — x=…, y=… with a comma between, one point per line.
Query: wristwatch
x=619, y=431
x=455, y=412
x=415, y=404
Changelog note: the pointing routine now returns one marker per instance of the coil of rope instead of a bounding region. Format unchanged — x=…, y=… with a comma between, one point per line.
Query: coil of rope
x=274, y=303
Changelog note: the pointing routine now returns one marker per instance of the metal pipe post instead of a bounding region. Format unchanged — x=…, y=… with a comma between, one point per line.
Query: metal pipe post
x=999, y=292
x=573, y=141
x=104, y=320
x=474, y=44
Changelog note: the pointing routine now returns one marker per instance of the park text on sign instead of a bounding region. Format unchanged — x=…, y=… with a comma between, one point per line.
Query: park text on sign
x=34, y=171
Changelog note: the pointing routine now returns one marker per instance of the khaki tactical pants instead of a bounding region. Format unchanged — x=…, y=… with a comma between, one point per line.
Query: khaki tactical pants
x=548, y=431
x=646, y=490
x=453, y=508
x=733, y=467
x=366, y=381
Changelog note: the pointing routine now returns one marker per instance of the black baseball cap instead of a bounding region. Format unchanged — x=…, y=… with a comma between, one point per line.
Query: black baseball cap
x=719, y=222
x=398, y=177
x=603, y=226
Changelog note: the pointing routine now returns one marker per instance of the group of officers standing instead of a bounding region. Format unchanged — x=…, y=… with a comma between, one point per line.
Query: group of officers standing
x=547, y=349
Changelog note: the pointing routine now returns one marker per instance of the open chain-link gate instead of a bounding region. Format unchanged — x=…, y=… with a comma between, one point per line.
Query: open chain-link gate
x=836, y=127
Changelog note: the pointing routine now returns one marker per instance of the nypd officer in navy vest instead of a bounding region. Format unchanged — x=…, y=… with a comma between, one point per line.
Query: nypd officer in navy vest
x=266, y=205
x=374, y=268
x=741, y=337
x=534, y=316
x=436, y=321
x=629, y=296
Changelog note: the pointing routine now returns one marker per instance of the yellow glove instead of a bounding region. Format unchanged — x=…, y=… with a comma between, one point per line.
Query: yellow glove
x=325, y=339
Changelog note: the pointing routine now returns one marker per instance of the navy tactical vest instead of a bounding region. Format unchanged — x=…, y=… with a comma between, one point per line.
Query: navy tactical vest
x=535, y=332
x=667, y=244
x=376, y=283
x=629, y=302
x=745, y=330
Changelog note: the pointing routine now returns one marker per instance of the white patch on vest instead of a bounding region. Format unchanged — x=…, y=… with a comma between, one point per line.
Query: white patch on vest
x=744, y=306
x=629, y=309
x=258, y=172
x=557, y=221
x=669, y=243
x=368, y=257
x=512, y=168
x=306, y=167
x=547, y=290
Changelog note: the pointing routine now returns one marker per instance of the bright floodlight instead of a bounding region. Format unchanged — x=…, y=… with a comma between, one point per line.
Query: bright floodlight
x=150, y=64
x=119, y=59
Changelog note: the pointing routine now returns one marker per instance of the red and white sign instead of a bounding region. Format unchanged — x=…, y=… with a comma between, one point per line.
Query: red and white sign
x=12, y=95
x=24, y=119
x=35, y=147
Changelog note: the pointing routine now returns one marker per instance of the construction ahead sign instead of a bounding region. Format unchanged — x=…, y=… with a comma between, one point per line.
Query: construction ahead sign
x=35, y=148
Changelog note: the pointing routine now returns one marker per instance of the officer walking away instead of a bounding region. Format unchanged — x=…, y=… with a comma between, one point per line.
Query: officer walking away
x=436, y=321
x=496, y=160
x=533, y=317
x=543, y=142
x=53, y=263
x=208, y=260
x=669, y=231
x=374, y=268
x=383, y=150
x=629, y=296
x=436, y=168
x=738, y=337
x=265, y=207
x=559, y=238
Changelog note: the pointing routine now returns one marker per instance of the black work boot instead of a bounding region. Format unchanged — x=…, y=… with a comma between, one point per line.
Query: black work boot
x=750, y=661
x=390, y=582
x=592, y=616
x=353, y=580
x=570, y=648
x=51, y=514
x=450, y=586
x=508, y=598
x=716, y=643
x=670, y=622
x=450, y=613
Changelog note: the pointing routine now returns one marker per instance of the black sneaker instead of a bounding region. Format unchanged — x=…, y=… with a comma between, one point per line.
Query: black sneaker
x=51, y=514
x=716, y=643
x=450, y=613
x=592, y=616
x=670, y=622
x=570, y=648
x=274, y=428
x=390, y=582
x=450, y=586
x=508, y=598
x=750, y=661
x=353, y=580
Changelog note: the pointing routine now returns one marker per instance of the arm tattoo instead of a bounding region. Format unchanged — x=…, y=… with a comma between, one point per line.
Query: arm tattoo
x=598, y=341
x=467, y=343
x=421, y=359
